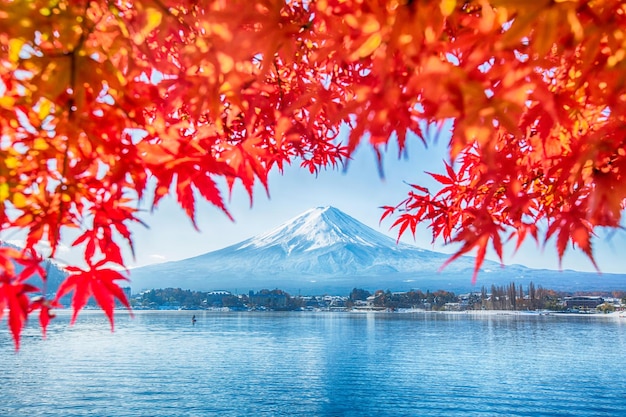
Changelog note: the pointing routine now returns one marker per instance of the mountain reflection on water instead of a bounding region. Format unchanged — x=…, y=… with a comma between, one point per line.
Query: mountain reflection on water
x=316, y=364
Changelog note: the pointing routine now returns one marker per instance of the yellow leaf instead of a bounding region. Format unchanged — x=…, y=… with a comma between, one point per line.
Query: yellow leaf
x=368, y=46
x=221, y=30
x=153, y=20
x=351, y=20
x=447, y=7
x=202, y=46
x=4, y=191
x=11, y=162
x=44, y=108
x=40, y=144
x=15, y=47
x=7, y=102
x=370, y=25
x=226, y=62
x=19, y=200
x=153, y=17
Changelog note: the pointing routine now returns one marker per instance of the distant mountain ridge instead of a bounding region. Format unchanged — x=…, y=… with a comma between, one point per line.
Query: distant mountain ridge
x=56, y=274
x=324, y=250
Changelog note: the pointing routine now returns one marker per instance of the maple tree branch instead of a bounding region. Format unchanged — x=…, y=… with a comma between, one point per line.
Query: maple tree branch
x=168, y=13
x=279, y=81
x=71, y=103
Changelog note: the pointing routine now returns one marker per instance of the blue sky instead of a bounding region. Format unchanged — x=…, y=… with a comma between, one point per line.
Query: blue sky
x=359, y=192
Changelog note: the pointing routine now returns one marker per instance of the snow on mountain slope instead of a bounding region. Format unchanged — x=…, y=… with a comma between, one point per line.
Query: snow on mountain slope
x=326, y=241
x=318, y=228
x=322, y=244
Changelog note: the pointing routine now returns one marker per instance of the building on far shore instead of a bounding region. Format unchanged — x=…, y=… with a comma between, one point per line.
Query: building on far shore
x=583, y=301
x=272, y=299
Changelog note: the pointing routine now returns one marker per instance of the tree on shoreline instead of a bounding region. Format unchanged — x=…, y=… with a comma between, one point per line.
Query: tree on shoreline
x=99, y=98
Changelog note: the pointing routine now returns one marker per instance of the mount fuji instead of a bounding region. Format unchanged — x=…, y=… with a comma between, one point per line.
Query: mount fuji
x=324, y=250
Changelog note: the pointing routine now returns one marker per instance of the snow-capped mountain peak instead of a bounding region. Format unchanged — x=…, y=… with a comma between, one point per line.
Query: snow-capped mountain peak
x=317, y=228
x=324, y=250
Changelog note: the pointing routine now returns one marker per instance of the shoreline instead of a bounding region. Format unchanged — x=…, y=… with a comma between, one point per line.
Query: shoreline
x=491, y=313
x=465, y=313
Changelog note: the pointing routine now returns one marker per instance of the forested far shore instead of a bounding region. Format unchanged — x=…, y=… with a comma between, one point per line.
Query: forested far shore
x=508, y=297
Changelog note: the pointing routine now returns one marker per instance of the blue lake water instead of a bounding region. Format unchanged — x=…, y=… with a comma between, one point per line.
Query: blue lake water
x=317, y=364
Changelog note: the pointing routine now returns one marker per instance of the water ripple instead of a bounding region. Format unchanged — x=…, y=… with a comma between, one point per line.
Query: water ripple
x=317, y=364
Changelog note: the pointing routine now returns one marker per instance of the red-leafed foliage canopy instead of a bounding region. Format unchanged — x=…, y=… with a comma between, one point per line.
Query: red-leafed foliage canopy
x=97, y=98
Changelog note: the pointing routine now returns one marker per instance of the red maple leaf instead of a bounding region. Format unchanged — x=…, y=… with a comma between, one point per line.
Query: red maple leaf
x=14, y=296
x=94, y=281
